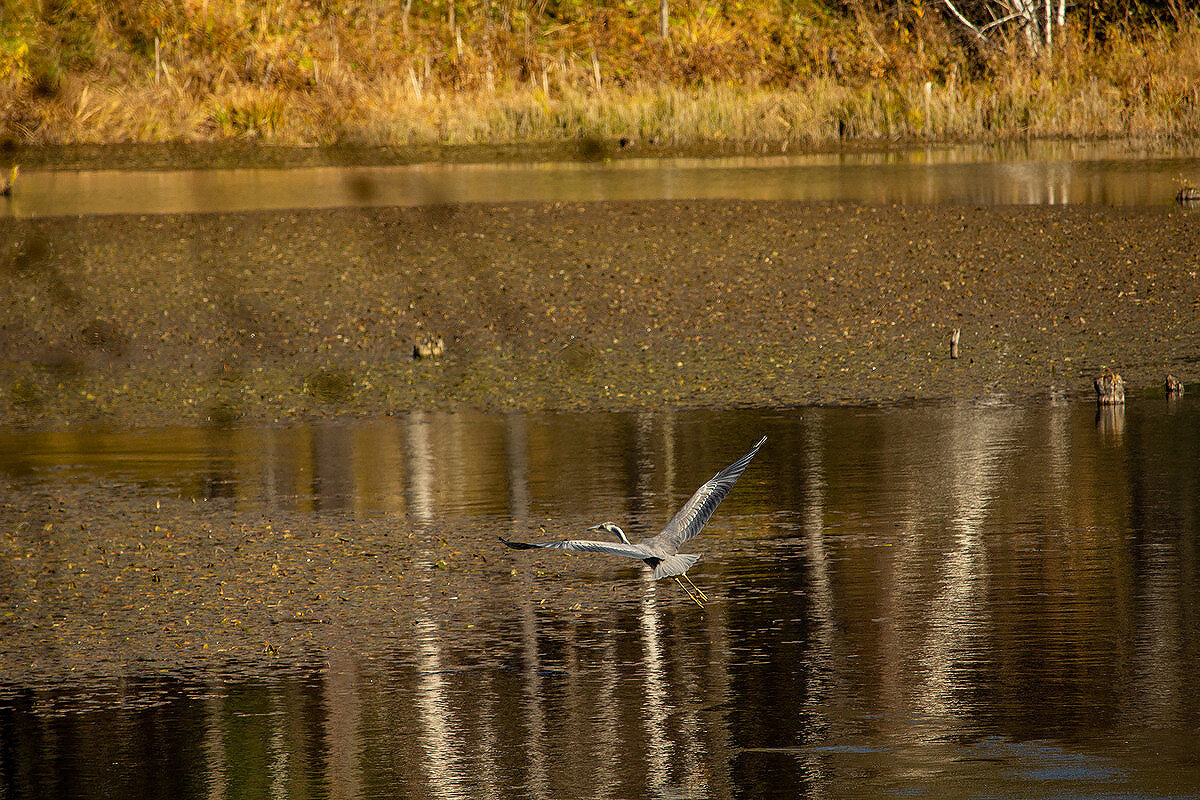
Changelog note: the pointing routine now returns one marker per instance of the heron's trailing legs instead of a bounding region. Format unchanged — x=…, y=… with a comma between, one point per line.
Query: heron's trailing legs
x=691, y=596
x=703, y=596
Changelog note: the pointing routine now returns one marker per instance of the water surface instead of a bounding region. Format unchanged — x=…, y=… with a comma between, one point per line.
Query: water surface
x=965, y=600
x=1035, y=173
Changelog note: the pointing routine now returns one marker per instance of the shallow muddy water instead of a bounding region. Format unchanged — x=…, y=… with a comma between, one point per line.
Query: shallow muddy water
x=938, y=600
x=1037, y=174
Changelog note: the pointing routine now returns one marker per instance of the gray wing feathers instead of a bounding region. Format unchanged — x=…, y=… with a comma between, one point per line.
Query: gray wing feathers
x=584, y=546
x=688, y=521
x=661, y=550
x=675, y=565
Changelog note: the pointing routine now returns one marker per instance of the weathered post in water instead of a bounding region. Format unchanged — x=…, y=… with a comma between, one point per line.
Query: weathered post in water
x=1110, y=389
x=1174, y=386
x=954, y=343
x=428, y=345
x=6, y=184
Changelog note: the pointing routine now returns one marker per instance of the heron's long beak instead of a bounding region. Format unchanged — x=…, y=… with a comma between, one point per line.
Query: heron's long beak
x=596, y=528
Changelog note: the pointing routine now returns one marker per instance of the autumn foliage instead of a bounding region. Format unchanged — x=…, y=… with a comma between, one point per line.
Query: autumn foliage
x=469, y=71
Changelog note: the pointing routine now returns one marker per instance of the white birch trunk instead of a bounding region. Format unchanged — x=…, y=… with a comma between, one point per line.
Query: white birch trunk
x=1049, y=28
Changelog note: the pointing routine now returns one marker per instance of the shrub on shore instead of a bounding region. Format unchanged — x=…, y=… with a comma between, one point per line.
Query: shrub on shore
x=478, y=71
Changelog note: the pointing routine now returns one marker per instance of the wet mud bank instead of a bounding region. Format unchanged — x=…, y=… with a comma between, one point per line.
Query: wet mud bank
x=264, y=317
x=100, y=582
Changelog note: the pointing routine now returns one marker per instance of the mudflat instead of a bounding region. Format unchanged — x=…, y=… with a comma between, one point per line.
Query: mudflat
x=262, y=317
x=253, y=318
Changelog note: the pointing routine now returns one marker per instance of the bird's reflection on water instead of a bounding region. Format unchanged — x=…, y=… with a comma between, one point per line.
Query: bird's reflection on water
x=924, y=600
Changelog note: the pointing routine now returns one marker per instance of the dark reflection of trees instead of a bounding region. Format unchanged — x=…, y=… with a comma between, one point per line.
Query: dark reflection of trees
x=220, y=479
x=333, y=485
x=1088, y=591
x=272, y=739
x=116, y=745
x=771, y=658
x=1165, y=525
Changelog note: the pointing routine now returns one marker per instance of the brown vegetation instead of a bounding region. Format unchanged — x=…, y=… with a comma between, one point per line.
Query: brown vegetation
x=307, y=72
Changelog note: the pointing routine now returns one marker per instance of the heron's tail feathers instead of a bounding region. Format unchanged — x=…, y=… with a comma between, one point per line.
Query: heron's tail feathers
x=675, y=565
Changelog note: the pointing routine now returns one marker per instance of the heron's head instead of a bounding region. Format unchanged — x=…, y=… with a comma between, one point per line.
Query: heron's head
x=613, y=528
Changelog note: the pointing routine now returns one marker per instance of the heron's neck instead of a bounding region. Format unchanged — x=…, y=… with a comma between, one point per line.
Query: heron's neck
x=621, y=535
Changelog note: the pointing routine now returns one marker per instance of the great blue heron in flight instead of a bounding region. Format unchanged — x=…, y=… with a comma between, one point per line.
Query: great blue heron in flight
x=661, y=552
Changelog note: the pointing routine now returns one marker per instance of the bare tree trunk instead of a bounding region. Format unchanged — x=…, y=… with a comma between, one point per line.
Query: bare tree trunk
x=1029, y=11
x=1049, y=28
x=664, y=10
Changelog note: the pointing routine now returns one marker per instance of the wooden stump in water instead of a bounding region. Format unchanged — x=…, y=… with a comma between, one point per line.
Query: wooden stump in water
x=6, y=184
x=1174, y=386
x=428, y=345
x=954, y=343
x=1188, y=196
x=1110, y=389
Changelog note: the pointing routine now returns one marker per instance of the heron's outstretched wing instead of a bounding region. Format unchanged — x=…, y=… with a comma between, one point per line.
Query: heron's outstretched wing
x=688, y=521
x=584, y=546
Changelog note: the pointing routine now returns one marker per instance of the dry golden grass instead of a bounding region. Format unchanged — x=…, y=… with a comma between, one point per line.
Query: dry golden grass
x=338, y=71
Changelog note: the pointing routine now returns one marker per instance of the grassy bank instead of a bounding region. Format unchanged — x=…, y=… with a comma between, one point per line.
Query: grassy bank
x=318, y=72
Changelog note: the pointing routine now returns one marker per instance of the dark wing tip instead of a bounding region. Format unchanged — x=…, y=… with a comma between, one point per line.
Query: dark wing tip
x=517, y=545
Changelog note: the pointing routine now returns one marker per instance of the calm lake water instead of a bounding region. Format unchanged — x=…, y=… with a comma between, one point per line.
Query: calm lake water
x=968, y=600
x=1029, y=173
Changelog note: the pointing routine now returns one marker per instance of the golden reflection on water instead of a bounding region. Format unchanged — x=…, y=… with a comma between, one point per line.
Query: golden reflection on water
x=925, y=600
x=1043, y=173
